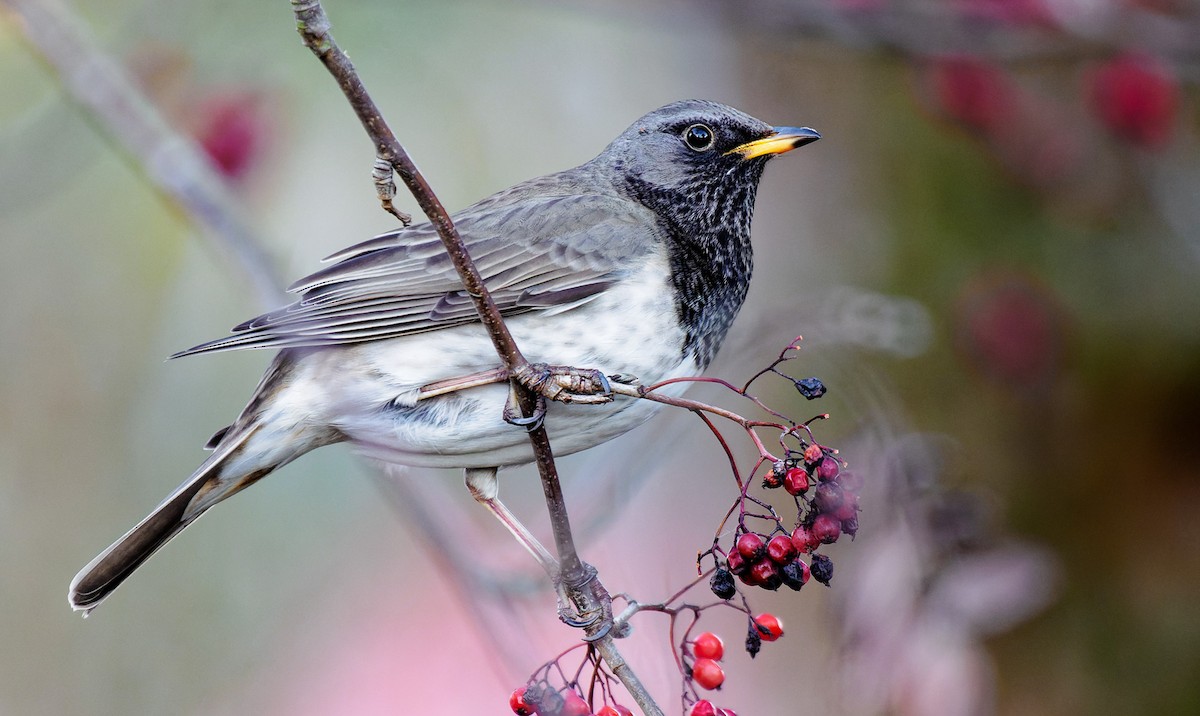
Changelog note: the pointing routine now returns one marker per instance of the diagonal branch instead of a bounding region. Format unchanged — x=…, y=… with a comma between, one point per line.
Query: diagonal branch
x=588, y=597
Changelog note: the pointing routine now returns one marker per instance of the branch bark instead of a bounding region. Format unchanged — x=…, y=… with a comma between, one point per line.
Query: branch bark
x=587, y=596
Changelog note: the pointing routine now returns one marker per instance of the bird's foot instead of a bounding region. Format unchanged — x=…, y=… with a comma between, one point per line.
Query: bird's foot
x=566, y=384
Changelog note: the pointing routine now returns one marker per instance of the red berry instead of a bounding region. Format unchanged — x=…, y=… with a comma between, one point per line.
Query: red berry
x=574, y=705
x=519, y=705
x=726, y=712
x=1136, y=97
x=772, y=625
x=737, y=563
x=796, y=482
x=827, y=528
x=614, y=710
x=708, y=674
x=708, y=646
x=752, y=546
x=781, y=550
x=804, y=539
x=703, y=707
x=765, y=574
x=827, y=469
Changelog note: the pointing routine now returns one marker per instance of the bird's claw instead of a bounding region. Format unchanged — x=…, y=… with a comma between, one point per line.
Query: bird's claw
x=566, y=384
x=513, y=414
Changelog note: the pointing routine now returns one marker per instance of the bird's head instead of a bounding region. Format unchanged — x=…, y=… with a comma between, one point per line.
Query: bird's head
x=698, y=163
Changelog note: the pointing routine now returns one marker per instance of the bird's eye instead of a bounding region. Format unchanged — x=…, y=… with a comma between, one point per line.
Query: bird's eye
x=699, y=137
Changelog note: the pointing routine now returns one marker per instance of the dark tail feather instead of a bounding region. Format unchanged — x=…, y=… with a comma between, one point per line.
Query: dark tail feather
x=106, y=572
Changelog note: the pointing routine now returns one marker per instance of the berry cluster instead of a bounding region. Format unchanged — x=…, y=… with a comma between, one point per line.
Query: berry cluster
x=542, y=699
x=827, y=502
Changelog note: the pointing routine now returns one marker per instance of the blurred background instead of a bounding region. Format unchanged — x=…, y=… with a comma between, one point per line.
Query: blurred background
x=992, y=255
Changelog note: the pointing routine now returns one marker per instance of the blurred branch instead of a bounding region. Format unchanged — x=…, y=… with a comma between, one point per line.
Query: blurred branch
x=174, y=164
x=591, y=602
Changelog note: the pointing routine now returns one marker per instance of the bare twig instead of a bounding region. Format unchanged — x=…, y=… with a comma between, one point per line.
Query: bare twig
x=172, y=161
x=587, y=595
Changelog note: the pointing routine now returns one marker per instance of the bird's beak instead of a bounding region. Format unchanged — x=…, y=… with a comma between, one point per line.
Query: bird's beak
x=784, y=139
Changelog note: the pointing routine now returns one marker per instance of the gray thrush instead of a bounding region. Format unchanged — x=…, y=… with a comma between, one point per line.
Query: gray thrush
x=635, y=263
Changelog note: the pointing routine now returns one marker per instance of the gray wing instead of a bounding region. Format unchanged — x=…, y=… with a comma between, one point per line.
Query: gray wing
x=533, y=251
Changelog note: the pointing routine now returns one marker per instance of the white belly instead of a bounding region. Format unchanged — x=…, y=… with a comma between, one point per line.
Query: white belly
x=368, y=391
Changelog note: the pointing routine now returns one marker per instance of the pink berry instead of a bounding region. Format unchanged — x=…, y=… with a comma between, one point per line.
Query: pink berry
x=574, y=705
x=827, y=469
x=703, y=707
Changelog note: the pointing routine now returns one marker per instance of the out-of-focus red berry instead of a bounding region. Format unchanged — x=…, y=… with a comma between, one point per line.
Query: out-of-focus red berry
x=851, y=481
x=231, y=131
x=772, y=625
x=726, y=712
x=614, y=710
x=781, y=550
x=796, y=481
x=708, y=674
x=574, y=705
x=849, y=506
x=737, y=563
x=977, y=94
x=703, y=707
x=828, y=496
x=827, y=528
x=622, y=710
x=752, y=546
x=519, y=705
x=827, y=469
x=804, y=540
x=1136, y=96
x=708, y=646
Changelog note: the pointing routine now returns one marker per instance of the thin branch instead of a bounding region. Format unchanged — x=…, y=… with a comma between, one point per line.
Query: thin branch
x=172, y=161
x=587, y=595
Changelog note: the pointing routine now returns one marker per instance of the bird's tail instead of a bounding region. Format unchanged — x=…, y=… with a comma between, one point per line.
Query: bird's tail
x=243, y=453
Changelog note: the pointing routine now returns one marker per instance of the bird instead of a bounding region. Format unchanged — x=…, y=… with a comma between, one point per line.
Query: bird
x=633, y=264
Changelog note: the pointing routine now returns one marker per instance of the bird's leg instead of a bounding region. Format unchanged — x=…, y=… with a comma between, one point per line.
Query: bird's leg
x=565, y=383
x=485, y=488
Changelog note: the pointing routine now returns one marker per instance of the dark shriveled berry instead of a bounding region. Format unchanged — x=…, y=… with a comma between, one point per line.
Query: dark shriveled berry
x=822, y=569
x=850, y=526
x=722, y=584
x=811, y=388
x=795, y=575
x=753, y=641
